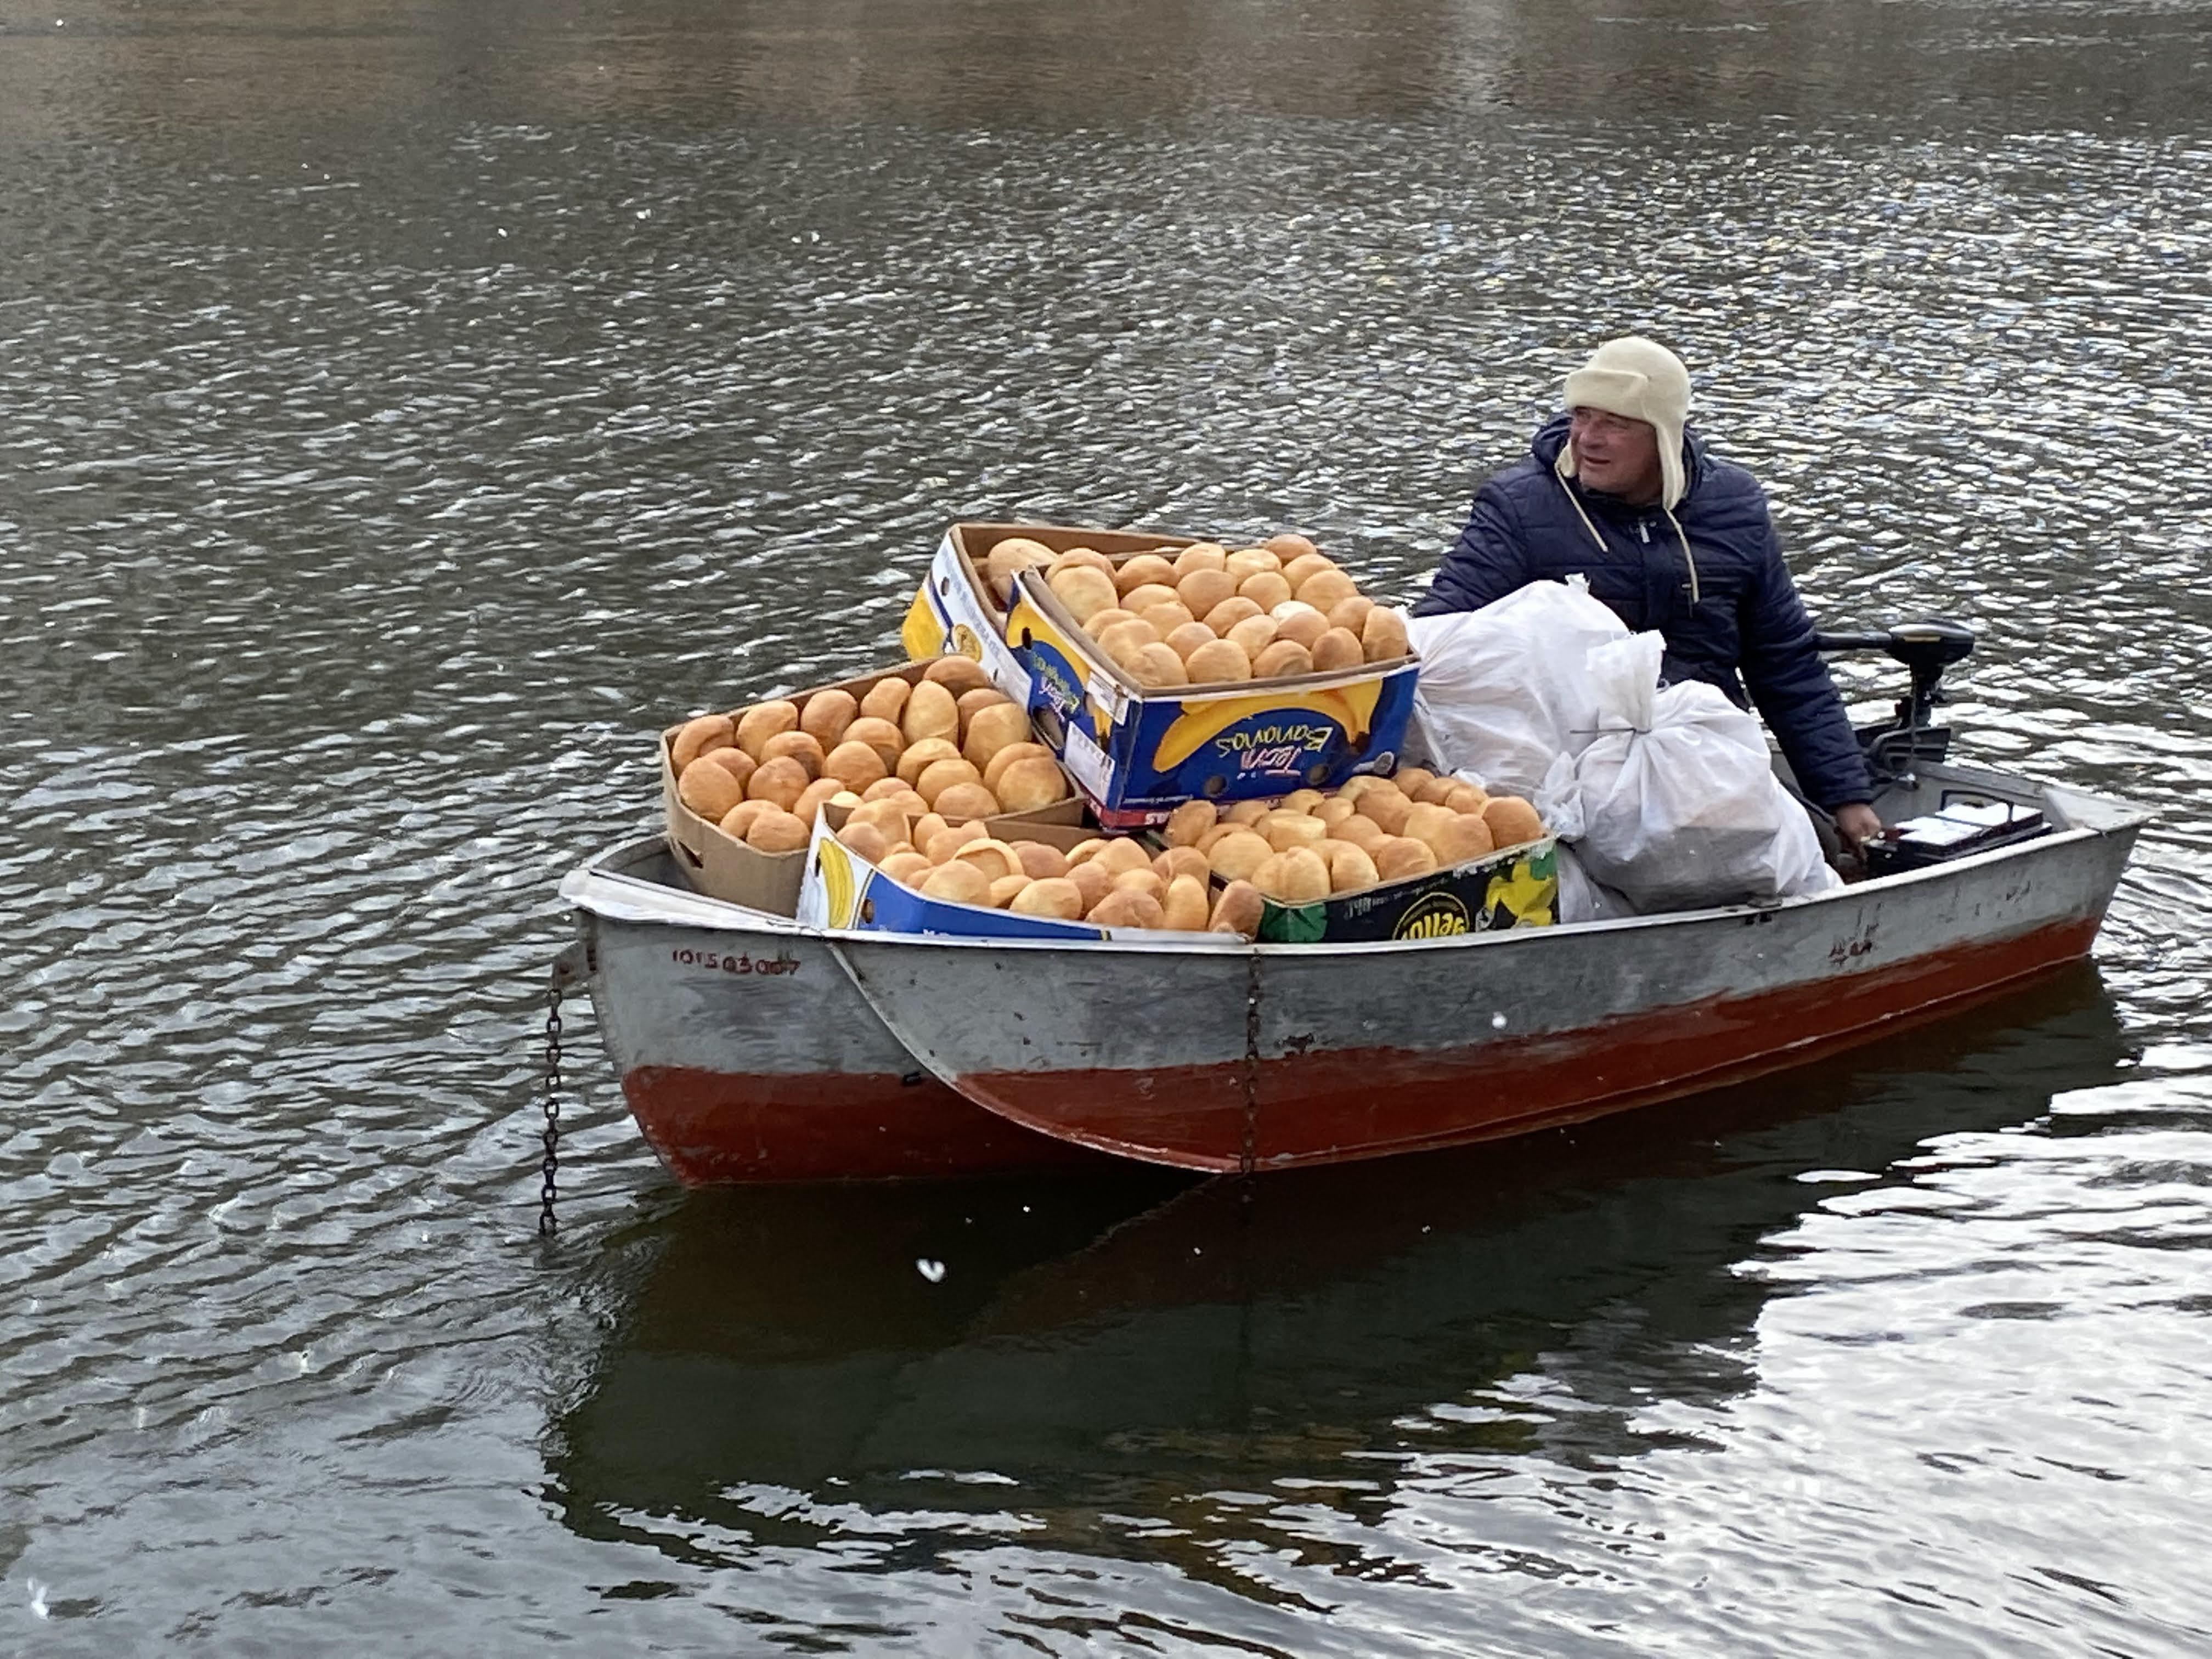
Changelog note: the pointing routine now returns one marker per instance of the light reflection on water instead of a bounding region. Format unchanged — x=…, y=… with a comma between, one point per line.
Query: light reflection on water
x=410, y=408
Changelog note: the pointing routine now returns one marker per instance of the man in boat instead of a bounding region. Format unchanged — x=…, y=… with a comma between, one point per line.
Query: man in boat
x=1673, y=538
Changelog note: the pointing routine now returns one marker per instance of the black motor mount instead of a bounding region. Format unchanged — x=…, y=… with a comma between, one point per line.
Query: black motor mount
x=1926, y=648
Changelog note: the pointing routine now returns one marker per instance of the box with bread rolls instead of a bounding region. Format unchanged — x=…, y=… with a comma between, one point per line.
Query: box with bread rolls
x=1034, y=881
x=1415, y=855
x=743, y=791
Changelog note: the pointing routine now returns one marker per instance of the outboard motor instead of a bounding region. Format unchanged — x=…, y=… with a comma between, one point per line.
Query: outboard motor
x=1894, y=747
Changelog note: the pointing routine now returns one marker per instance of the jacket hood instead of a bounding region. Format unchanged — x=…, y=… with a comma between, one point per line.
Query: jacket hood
x=1551, y=441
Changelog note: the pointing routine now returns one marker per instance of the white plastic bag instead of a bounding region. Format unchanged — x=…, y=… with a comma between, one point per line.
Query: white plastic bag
x=1581, y=899
x=1503, y=691
x=1681, y=805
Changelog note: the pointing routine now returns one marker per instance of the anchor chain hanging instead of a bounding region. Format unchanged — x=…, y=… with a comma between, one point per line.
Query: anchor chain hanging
x=550, y=1166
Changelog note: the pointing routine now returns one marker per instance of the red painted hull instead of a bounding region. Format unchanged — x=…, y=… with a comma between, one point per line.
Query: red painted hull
x=1325, y=1107
x=712, y=1127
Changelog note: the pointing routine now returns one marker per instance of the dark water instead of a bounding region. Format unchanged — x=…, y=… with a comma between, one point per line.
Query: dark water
x=405, y=409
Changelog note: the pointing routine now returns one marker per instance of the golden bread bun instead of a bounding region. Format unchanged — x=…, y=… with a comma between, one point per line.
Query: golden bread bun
x=1084, y=557
x=1205, y=842
x=885, y=700
x=733, y=760
x=880, y=735
x=1288, y=545
x=1093, y=882
x=973, y=702
x=1252, y=635
x=1400, y=858
x=709, y=790
x=1167, y=616
x=1512, y=821
x=1325, y=590
x=1266, y=590
x=941, y=775
x=1006, y=889
x=1145, y=568
x=1387, y=807
x=825, y=716
x=1301, y=801
x=907, y=868
x=694, y=737
x=994, y=858
x=1231, y=611
x=802, y=746
x=1184, y=908
x=1142, y=881
x=1360, y=831
x=855, y=765
x=1410, y=780
x=1284, y=830
x=1247, y=563
x=1120, y=641
x=1247, y=811
x=1217, y=662
x=1434, y=790
x=918, y=757
x=1235, y=856
x=944, y=841
x=1335, y=809
x=1464, y=836
x=957, y=674
x=995, y=769
x=1302, y=624
x=1084, y=591
x=958, y=884
x=1463, y=797
x=1336, y=650
x=1121, y=854
x=1352, y=787
x=931, y=712
x=782, y=781
x=866, y=839
x=1030, y=786
x=1425, y=819
x=1102, y=620
x=1301, y=877
x=1281, y=660
x=817, y=795
x=1187, y=639
x=1053, y=896
x=1200, y=555
x=1083, y=851
x=1123, y=908
x=1201, y=590
x=1238, y=911
x=757, y=724
x=968, y=800
x=1154, y=667
x=889, y=817
x=1012, y=554
x=1351, y=615
x=1041, y=860
x=1182, y=862
x=1382, y=635
x=1350, y=868
x=990, y=729
x=1188, y=822
x=1139, y=600
x=928, y=826
x=1297, y=567
x=779, y=832
x=739, y=818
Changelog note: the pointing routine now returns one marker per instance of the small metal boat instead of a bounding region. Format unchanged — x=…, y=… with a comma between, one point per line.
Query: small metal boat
x=754, y=1049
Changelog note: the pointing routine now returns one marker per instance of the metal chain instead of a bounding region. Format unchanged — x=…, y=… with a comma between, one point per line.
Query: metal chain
x=549, y=1165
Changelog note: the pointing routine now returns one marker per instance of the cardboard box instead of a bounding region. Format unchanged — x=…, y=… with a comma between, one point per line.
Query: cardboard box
x=843, y=889
x=1516, y=887
x=721, y=867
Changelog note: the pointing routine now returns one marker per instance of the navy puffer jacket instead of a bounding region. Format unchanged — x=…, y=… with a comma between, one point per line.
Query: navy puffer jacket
x=1746, y=627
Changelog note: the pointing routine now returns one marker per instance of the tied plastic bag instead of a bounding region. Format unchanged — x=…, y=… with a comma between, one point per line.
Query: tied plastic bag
x=1681, y=805
x=1502, y=692
x=1581, y=899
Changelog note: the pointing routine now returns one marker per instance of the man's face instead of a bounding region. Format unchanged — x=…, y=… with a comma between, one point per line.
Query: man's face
x=1615, y=454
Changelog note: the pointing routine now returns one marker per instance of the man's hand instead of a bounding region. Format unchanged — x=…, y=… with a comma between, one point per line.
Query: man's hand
x=1856, y=824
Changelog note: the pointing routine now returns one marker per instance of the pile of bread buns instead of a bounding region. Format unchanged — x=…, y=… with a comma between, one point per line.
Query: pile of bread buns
x=1313, y=845
x=949, y=743
x=1208, y=615
x=1109, y=881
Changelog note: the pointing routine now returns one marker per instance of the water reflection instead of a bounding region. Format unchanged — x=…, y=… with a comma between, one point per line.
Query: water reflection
x=1101, y=1360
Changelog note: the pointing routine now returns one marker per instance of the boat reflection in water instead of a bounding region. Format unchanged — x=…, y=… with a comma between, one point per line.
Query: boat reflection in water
x=1111, y=1343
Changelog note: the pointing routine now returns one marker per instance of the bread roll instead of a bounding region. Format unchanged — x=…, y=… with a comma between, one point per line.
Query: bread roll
x=1121, y=854
x=1336, y=650
x=1235, y=857
x=779, y=832
x=1284, y=830
x=1297, y=567
x=1298, y=877
x=994, y=858
x=1083, y=592
x=782, y=781
x=1182, y=862
x=968, y=800
x=1092, y=882
x=1140, y=599
x=941, y=775
x=1012, y=554
x=1324, y=589
x=1084, y=558
x=866, y=839
x=1351, y=615
x=1040, y=861
x=888, y=816
x=1202, y=589
x=1464, y=835
x=802, y=746
x=1030, y=786
x=957, y=674
x=855, y=765
x=1184, y=908
x=1006, y=889
x=1142, y=881
x=885, y=700
x=1143, y=568
x=958, y=884
x=1387, y=807
x=1187, y=639
x=1281, y=660
x=944, y=843
x=1205, y=842
x=906, y=868
x=1083, y=851
x=816, y=796
x=918, y=757
x=1123, y=908
x=1166, y=617
x=825, y=716
x=931, y=712
x=1247, y=811
x=1238, y=911
x=1052, y=897
x=1247, y=563
x=974, y=700
x=696, y=737
x=1398, y=858
x=1253, y=634
x=928, y=826
x=1301, y=801
x=1426, y=820
x=1102, y=620
x=1231, y=611
x=757, y=724
x=1410, y=780
x=709, y=790
x=1217, y=662
x=1353, y=787
x=1433, y=790
x=1157, y=666
x=1362, y=832
x=1200, y=555
x=1512, y=821
x=1382, y=635
x=1288, y=545
x=733, y=760
x=1466, y=798
x=995, y=770
x=1266, y=590
x=1120, y=641
x=1302, y=624
x=880, y=735
x=1350, y=868
x=739, y=818
x=992, y=729
x=1188, y=822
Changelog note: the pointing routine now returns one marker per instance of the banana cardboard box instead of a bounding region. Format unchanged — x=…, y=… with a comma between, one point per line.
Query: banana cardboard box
x=722, y=867
x=1516, y=887
x=1139, y=754
x=955, y=611
x=841, y=889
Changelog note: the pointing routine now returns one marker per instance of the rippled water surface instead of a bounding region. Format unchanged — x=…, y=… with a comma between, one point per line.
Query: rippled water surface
x=405, y=408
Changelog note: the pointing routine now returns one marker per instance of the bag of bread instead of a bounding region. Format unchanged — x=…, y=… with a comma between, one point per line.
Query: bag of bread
x=1503, y=691
x=1681, y=805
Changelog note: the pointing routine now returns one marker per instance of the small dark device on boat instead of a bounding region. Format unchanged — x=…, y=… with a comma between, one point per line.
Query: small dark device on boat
x=1895, y=746
x=1963, y=825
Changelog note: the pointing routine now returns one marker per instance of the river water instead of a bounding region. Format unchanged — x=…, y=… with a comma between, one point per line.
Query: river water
x=406, y=408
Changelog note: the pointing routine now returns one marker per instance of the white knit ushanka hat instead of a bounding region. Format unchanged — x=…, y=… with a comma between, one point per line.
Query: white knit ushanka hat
x=1639, y=379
